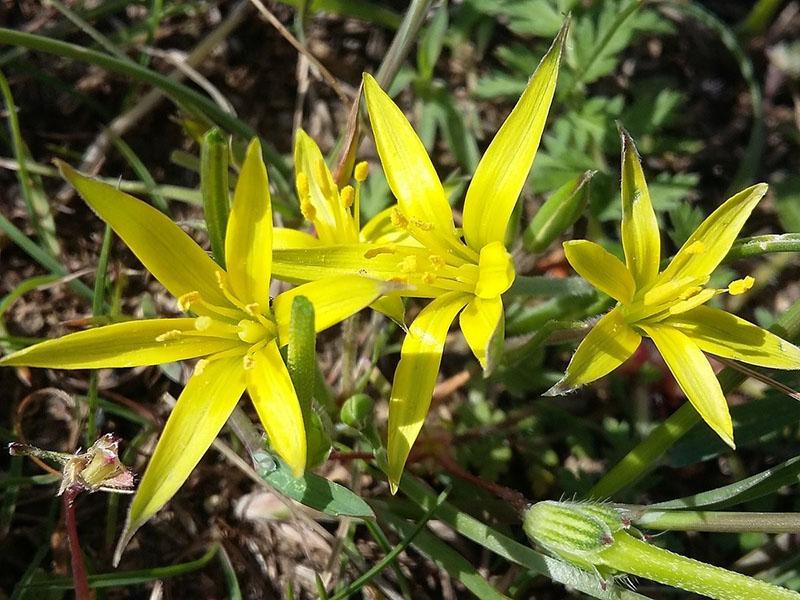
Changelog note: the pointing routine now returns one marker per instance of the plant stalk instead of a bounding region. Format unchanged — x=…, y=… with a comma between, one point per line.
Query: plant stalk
x=79, y=576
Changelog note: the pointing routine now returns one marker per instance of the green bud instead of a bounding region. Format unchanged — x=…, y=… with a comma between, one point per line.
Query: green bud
x=558, y=213
x=574, y=531
x=357, y=411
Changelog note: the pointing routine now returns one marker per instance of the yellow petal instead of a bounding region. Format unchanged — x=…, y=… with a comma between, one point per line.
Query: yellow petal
x=415, y=378
x=718, y=332
x=408, y=168
x=609, y=344
x=331, y=221
x=482, y=324
x=710, y=242
x=128, y=344
x=248, y=240
x=392, y=306
x=502, y=171
x=495, y=271
x=600, y=268
x=373, y=261
x=164, y=248
x=201, y=411
x=694, y=374
x=334, y=299
x=286, y=238
x=278, y=408
x=641, y=239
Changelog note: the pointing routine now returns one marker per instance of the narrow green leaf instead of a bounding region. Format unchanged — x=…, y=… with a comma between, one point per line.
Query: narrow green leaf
x=301, y=351
x=140, y=169
x=214, y=189
x=313, y=491
x=442, y=554
x=750, y=488
x=431, y=42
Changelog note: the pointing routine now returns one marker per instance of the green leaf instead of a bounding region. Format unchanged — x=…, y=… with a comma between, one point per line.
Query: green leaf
x=431, y=42
x=214, y=188
x=747, y=489
x=313, y=491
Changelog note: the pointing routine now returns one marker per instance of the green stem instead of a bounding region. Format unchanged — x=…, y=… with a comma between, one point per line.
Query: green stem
x=634, y=556
x=645, y=455
x=181, y=94
x=719, y=521
x=764, y=244
x=402, y=42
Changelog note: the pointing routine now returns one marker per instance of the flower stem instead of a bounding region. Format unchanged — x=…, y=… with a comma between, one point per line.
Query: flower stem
x=631, y=555
x=722, y=521
x=647, y=453
x=79, y=577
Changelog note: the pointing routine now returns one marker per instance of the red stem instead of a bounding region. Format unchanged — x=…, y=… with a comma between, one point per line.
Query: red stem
x=79, y=578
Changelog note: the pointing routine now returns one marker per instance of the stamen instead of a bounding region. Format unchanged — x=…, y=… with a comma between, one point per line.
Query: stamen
x=186, y=300
x=200, y=366
x=307, y=210
x=398, y=219
x=437, y=261
x=373, y=252
x=409, y=264
x=740, y=286
x=693, y=302
x=303, y=189
x=168, y=336
x=222, y=282
x=348, y=196
x=429, y=278
x=361, y=171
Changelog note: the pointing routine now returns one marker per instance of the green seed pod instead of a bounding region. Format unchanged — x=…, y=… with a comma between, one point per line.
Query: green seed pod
x=558, y=213
x=357, y=411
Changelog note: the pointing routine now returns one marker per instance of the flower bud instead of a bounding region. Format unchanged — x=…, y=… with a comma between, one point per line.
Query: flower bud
x=356, y=411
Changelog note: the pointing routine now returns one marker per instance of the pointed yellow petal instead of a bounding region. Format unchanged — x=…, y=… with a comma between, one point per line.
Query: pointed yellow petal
x=315, y=184
x=248, y=240
x=391, y=306
x=502, y=171
x=710, y=242
x=276, y=402
x=641, y=239
x=408, y=168
x=495, y=271
x=163, y=247
x=415, y=378
x=600, y=268
x=334, y=299
x=128, y=344
x=694, y=374
x=609, y=344
x=718, y=332
x=286, y=238
x=482, y=324
x=201, y=411
x=373, y=261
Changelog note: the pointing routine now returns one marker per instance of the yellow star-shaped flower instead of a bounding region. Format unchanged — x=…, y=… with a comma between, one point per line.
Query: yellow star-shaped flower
x=668, y=306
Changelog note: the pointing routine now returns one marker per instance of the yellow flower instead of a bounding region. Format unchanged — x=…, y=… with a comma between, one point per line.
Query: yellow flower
x=464, y=271
x=667, y=306
x=237, y=330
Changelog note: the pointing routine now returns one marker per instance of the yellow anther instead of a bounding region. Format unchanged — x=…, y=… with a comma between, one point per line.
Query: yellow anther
x=248, y=362
x=398, y=219
x=308, y=211
x=740, y=286
x=348, y=195
x=437, y=261
x=186, y=300
x=420, y=224
x=324, y=178
x=303, y=190
x=429, y=278
x=167, y=336
x=409, y=264
x=253, y=309
x=696, y=247
x=361, y=171
x=399, y=280
x=203, y=323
